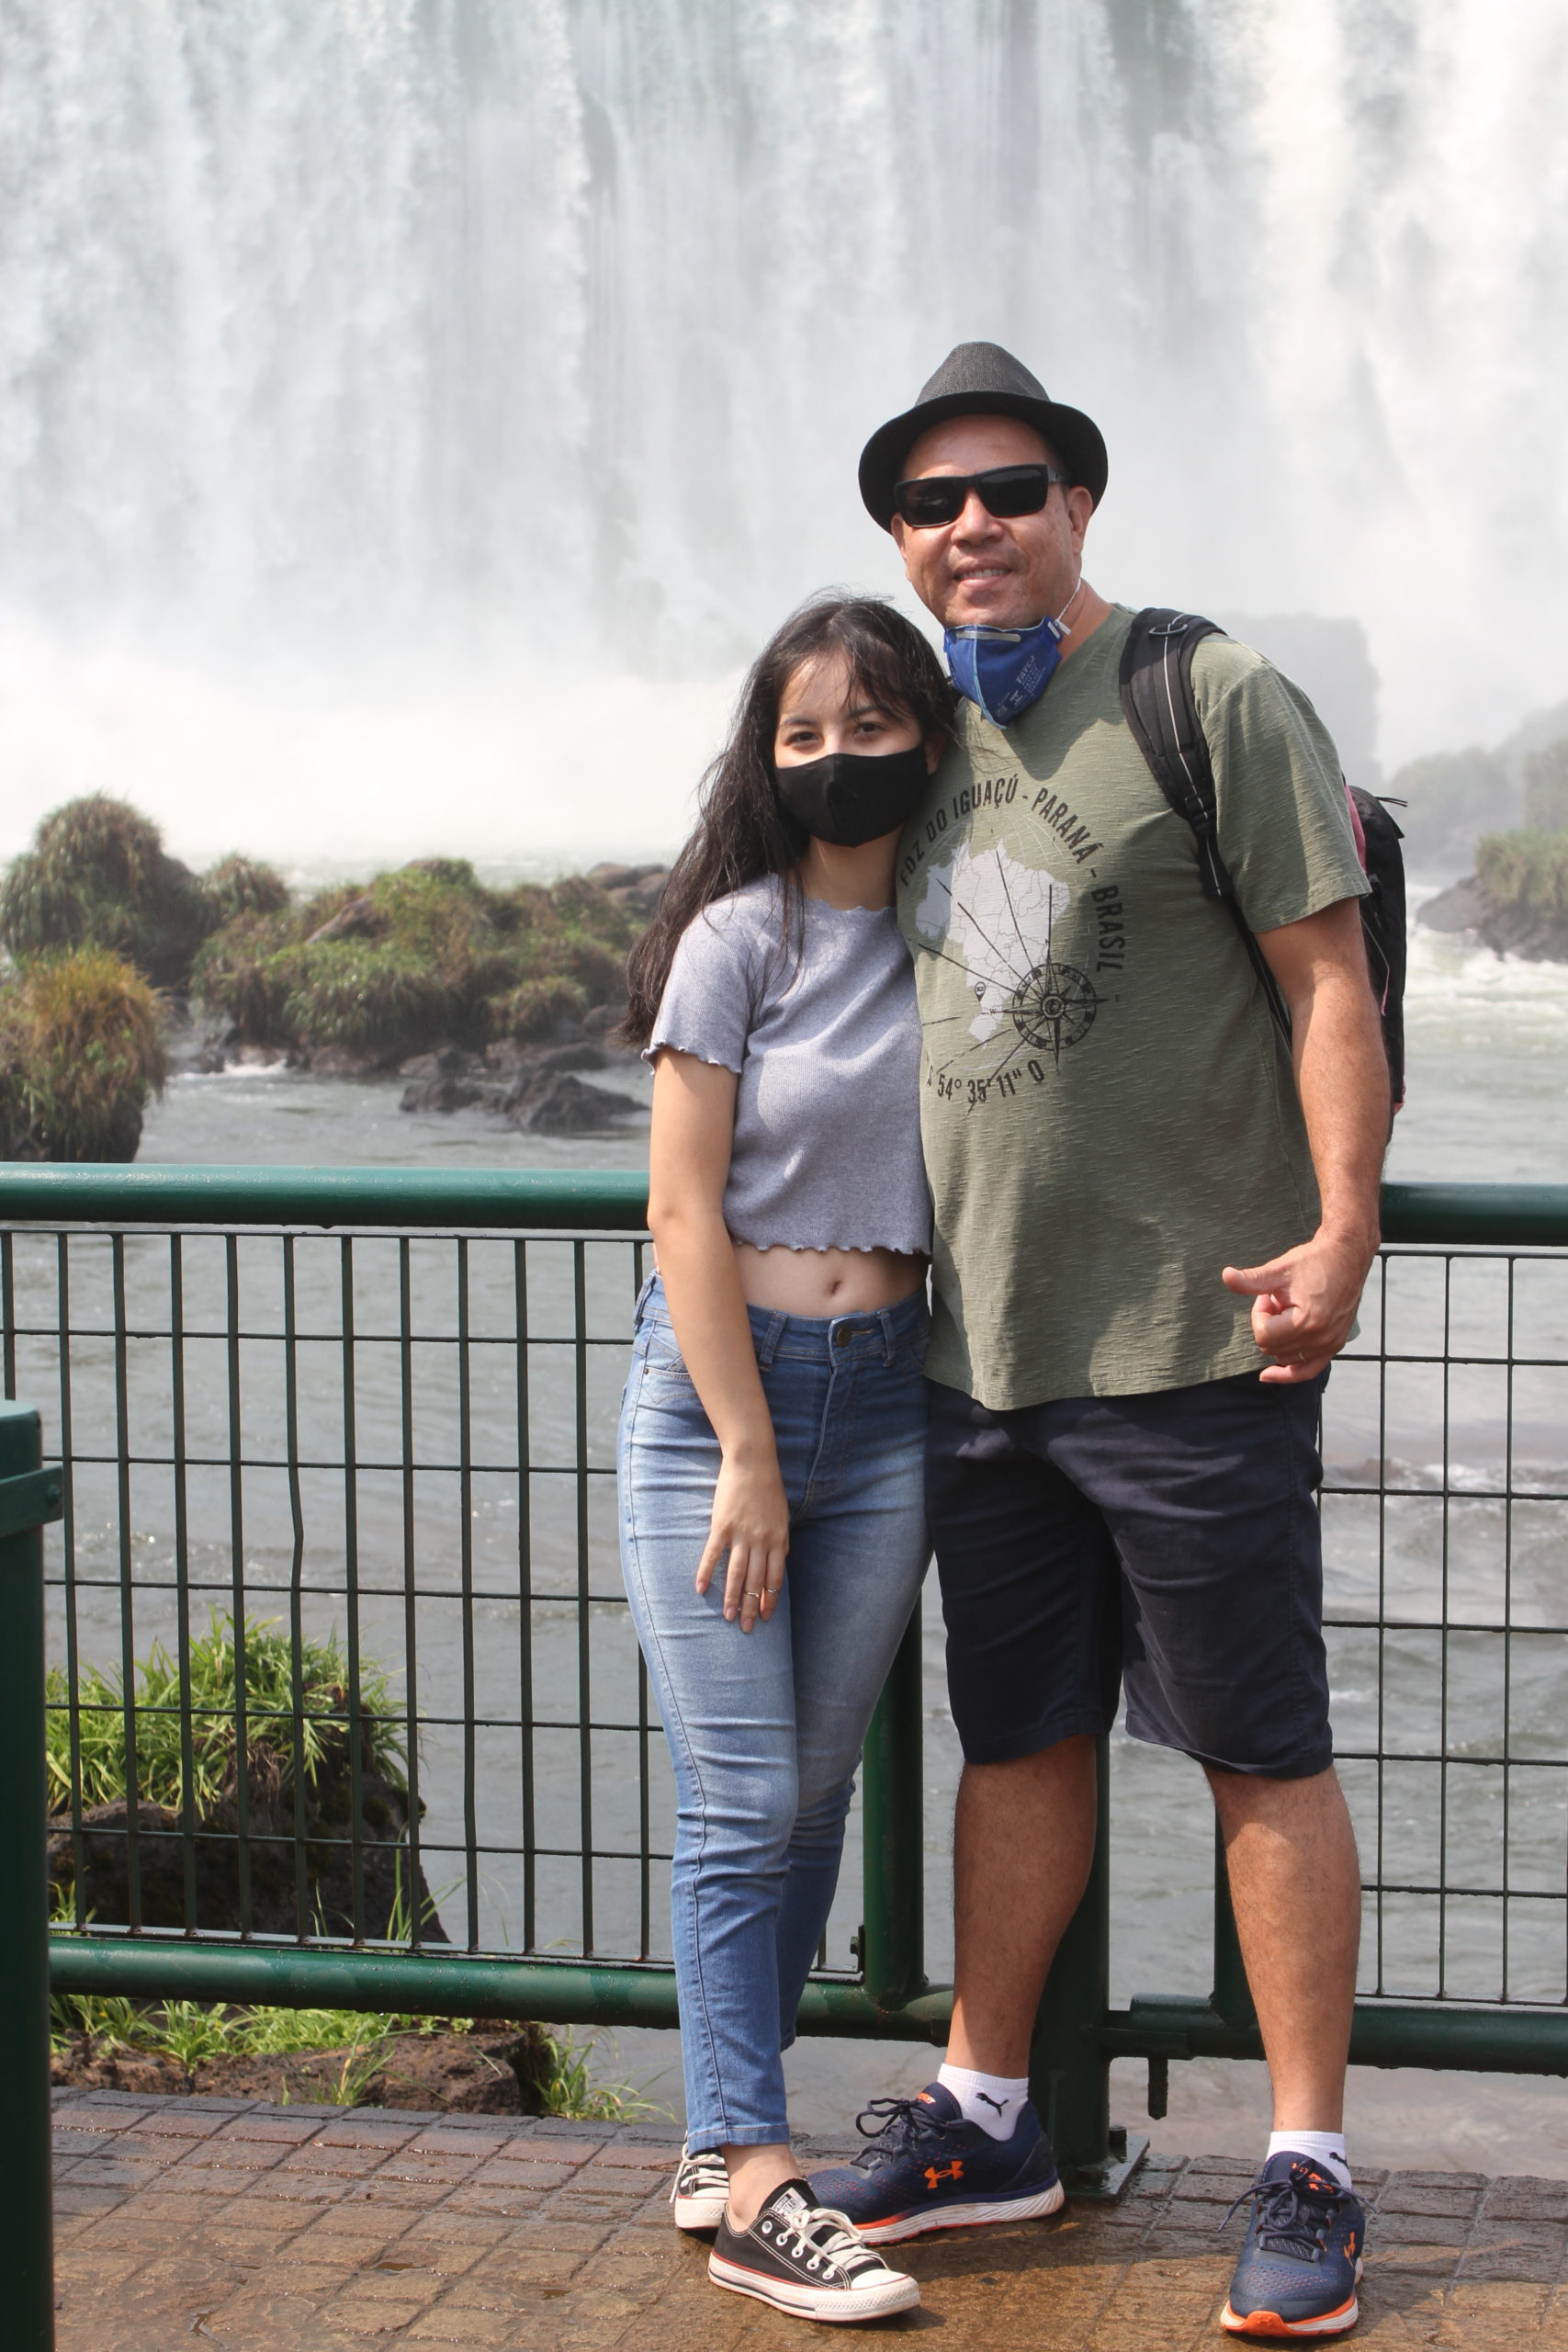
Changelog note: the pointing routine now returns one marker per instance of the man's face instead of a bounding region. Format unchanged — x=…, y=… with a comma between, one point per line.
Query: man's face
x=1008, y=571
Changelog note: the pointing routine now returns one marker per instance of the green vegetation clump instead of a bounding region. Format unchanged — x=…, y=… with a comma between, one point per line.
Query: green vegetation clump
x=243, y=886
x=194, y=2034
x=80, y=1054
x=184, y=1743
x=98, y=875
x=419, y=957
x=422, y=955
x=270, y=1734
x=1526, y=872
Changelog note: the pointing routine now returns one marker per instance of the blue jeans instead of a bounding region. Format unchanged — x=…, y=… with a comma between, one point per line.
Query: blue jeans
x=766, y=1728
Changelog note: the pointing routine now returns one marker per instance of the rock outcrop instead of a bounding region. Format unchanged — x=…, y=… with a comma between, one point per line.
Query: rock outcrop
x=1518, y=930
x=534, y=1087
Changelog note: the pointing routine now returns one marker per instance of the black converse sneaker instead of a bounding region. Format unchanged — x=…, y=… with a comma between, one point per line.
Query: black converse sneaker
x=806, y=2259
x=700, y=2187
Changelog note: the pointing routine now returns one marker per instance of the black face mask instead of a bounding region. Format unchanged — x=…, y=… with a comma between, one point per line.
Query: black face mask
x=852, y=797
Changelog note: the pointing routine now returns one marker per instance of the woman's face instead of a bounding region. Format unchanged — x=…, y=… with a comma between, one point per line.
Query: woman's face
x=821, y=713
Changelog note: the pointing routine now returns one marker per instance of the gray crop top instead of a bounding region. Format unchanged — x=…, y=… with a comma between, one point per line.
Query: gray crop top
x=827, y=1152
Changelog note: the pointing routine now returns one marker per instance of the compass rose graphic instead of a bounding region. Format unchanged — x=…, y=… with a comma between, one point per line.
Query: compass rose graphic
x=991, y=917
x=1054, y=1007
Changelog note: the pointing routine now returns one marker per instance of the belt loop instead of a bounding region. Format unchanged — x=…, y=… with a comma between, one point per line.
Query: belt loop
x=889, y=1336
x=642, y=1298
x=770, y=1340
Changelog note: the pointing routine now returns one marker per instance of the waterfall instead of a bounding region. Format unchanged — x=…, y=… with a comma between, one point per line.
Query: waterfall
x=411, y=392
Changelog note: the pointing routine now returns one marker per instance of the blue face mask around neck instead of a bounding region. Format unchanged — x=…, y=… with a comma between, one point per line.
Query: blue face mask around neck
x=1004, y=671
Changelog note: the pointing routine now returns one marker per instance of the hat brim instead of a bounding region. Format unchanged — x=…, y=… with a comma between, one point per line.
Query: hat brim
x=1076, y=438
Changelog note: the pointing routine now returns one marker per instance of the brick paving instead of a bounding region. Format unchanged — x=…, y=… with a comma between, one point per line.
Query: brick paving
x=315, y=2229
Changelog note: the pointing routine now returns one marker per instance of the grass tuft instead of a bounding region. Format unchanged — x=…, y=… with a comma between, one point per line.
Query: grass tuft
x=1526, y=871
x=80, y=1054
x=428, y=955
x=269, y=1685
x=98, y=875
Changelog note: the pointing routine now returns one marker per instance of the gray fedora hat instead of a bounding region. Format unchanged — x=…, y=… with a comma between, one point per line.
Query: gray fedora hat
x=980, y=380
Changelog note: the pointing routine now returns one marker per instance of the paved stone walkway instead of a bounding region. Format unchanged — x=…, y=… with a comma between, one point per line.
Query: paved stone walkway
x=312, y=2229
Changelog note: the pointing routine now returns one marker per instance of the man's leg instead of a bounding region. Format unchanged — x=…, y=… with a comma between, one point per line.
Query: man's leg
x=1296, y=1892
x=1031, y=1594
x=1022, y=1843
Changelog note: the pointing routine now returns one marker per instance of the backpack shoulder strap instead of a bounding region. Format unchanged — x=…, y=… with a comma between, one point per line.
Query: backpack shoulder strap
x=1161, y=710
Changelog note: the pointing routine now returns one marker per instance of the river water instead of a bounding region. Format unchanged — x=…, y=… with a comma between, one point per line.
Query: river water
x=1488, y=1102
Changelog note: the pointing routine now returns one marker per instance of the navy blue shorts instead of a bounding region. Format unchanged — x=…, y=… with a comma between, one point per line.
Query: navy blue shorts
x=1168, y=1543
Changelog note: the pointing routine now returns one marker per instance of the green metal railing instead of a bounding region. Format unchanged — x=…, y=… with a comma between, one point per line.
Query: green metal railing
x=385, y=1399
x=29, y=1498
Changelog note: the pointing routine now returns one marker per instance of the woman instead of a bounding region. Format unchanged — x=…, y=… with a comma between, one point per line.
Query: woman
x=771, y=1434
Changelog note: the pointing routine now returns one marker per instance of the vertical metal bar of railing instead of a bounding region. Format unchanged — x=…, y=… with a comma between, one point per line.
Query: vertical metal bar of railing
x=1232, y=1997
x=1069, y=2077
x=28, y=1498
x=302, y=1920
x=525, y=1599
x=68, y=1546
x=127, y=1591
x=415, y=1917
x=466, y=1584
x=179, y=1470
x=893, y=1795
x=237, y=1582
x=585, y=1616
x=348, y=1340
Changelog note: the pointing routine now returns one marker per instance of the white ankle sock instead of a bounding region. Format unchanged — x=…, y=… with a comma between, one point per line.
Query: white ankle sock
x=1325, y=2148
x=990, y=2100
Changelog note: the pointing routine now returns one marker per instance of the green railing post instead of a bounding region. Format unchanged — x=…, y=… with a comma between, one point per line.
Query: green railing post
x=1069, y=2075
x=28, y=1497
x=894, y=1880
x=1232, y=1997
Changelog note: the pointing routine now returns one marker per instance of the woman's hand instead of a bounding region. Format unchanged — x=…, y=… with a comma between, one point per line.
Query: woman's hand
x=751, y=1521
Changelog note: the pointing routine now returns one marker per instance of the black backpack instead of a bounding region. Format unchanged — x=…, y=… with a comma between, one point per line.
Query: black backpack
x=1156, y=696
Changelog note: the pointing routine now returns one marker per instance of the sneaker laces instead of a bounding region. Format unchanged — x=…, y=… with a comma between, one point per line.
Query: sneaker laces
x=901, y=2123
x=822, y=2231
x=704, y=2166
x=1294, y=2216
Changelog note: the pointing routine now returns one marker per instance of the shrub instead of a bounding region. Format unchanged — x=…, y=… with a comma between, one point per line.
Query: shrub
x=269, y=1704
x=370, y=996
x=241, y=886
x=431, y=956
x=79, y=1054
x=1528, y=871
x=98, y=877
x=533, y=1011
x=528, y=908
x=240, y=971
x=582, y=905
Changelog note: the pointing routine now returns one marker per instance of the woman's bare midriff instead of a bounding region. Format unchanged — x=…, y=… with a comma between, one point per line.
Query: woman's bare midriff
x=827, y=1281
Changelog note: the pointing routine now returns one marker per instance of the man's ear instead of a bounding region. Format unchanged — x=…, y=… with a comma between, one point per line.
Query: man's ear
x=1080, y=507
x=900, y=529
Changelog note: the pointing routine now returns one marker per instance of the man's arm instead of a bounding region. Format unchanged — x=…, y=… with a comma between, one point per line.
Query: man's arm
x=1304, y=1301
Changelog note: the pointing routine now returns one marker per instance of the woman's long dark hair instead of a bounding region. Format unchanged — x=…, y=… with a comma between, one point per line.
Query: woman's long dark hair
x=742, y=832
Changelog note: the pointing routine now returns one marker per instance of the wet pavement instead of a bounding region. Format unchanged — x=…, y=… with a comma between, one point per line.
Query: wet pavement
x=308, y=2229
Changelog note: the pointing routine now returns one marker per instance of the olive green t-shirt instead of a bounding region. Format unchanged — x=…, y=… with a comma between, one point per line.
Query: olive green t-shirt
x=1108, y=1111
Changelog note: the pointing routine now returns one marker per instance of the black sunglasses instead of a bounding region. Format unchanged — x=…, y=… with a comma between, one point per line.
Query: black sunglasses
x=935, y=499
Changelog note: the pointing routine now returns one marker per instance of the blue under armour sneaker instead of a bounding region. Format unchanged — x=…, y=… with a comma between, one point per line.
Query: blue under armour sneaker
x=1302, y=2263
x=927, y=2168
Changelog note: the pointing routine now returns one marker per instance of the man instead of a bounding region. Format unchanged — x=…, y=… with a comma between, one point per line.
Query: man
x=1154, y=1223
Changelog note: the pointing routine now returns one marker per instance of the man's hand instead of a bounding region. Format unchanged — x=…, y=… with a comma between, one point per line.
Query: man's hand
x=1304, y=1302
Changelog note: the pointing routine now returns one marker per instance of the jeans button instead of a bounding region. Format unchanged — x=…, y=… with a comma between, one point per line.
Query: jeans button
x=842, y=1339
